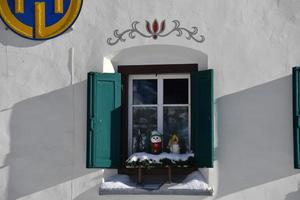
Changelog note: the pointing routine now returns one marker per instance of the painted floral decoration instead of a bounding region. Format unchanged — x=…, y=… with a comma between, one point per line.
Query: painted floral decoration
x=154, y=31
x=155, y=27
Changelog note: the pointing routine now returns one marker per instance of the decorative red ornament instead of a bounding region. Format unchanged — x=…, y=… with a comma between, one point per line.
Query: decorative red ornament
x=155, y=26
x=162, y=26
x=156, y=30
x=148, y=28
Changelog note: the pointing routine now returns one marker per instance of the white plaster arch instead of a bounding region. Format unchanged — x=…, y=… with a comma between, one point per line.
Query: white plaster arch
x=155, y=54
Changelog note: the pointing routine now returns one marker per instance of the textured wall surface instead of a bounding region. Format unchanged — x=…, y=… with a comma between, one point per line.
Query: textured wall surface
x=251, y=45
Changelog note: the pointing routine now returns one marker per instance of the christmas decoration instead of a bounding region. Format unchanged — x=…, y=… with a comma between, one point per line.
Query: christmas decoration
x=139, y=142
x=174, y=144
x=156, y=142
x=147, y=160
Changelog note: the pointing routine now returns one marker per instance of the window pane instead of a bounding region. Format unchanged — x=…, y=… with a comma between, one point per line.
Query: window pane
x=144, y=121
x=176, y=91
x=144, y=92
x=176, y=121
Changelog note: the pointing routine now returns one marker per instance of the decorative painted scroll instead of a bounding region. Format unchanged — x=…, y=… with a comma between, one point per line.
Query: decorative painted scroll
x=156, y=30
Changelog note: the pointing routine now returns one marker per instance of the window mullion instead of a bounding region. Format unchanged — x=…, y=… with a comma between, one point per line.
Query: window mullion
x=189, y=111
x=130, y=120
x=160, y=104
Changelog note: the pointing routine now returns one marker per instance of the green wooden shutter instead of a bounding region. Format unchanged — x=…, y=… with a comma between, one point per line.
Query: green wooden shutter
x=103, y=120
x=202, y=118
x=296, y=115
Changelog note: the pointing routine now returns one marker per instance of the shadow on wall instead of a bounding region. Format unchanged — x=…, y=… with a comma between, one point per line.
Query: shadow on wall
x=255, y=136
x=8, y=37
x=294, y=195
x=47, y=141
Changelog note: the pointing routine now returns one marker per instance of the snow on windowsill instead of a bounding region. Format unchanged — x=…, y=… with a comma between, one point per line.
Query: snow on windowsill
x=118, y=182
x=193, y=181
x=193, y=184
x=159, y=158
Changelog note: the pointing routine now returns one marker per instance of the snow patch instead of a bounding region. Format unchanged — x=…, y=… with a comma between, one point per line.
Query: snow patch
x=143, y=156
x=118, y=182
x=194, y=181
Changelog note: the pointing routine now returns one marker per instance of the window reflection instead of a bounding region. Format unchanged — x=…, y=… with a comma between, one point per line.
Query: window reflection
x=144, y=121
x=176, y=91
x=176, y=121
x=144, y=92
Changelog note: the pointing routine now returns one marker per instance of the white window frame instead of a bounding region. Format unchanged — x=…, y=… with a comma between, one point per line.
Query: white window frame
x=159, y=105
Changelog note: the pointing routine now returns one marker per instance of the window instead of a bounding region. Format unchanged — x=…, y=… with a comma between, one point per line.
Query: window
x=154, y=103
x=158, y=103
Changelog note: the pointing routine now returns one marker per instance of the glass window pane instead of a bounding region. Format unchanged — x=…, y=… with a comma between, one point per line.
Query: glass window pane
x=176, y=121
x=176, y=91
x=143, y=122
x=144, y=92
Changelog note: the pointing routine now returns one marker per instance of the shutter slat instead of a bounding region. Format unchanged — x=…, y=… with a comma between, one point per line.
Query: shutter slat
x=202, y=118
x=104, y=120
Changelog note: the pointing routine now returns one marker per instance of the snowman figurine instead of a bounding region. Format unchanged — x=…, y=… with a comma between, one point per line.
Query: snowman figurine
x=156, y=142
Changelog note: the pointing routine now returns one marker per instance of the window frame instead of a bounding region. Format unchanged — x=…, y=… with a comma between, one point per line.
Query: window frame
x=160, y=102
x=127, y=70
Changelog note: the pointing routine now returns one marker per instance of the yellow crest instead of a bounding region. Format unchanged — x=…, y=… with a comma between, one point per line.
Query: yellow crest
x=39, y=20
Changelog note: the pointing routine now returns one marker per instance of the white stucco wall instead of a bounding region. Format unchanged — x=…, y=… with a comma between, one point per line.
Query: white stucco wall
x=251, y=45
